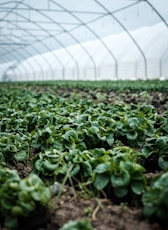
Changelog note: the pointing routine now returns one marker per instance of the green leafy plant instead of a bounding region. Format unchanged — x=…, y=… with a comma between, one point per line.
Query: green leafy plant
x=162, y=124
x=55, y=163
x=155, y=151
x=19, y=197
x=121, y=172
x=135, y=124
x=77, y=225
x=14, y=146
x=99, y=142
x=155, y=199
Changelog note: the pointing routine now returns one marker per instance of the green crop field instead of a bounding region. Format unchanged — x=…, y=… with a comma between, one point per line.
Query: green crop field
x=83, y=135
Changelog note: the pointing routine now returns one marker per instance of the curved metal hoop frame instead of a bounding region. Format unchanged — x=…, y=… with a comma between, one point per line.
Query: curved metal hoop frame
x=23, y=36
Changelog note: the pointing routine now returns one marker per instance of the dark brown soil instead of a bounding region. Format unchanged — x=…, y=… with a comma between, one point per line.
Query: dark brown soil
x=103, y=213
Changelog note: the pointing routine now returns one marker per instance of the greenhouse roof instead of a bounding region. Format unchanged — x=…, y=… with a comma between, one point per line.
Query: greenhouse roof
x=29, y=27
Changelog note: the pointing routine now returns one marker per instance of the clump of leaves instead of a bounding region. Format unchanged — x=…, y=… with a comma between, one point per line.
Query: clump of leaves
x=19, y=197
x=155, y=199
x=55, y=163
x=2, y=160
x=116, y=168
x=14, y=146
x=162, y=123
x=121, y=173
x=135, y=124
x=155, y=151
x=77, y=225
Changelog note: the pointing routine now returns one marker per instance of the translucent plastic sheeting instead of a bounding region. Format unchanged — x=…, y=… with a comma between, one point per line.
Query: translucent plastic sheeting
x=90, y=40
x=5, y=68
x=130, y=64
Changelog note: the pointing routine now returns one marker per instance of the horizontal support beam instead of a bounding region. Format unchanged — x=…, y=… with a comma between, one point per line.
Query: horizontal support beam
x=12, y=44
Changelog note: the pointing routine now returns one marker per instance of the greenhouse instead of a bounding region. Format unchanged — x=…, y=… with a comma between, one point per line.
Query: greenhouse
x=93, y=40
x=84, y=115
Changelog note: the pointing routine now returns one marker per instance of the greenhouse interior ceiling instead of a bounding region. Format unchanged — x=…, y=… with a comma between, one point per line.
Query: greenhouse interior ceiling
x=83, y=40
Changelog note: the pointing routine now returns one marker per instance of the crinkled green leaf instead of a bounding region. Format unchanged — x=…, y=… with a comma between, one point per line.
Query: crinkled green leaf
x=86, y=168
x=137, y=187
x=120, y=191
x=163, y=162
x=39, y=164
x=21, y=156
x=77, y=225
x=70, y=135
x=120, y=179
x=75, y=170
x=110, y=139
x=49, y=166
x=93, y=130
x=133, y=122
x=104, y=167
x=101, y=181
x=132, y=136
x=162, y=141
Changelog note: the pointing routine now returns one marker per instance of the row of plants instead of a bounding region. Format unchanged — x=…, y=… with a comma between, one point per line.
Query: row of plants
x=106, y=148
x=120, y=85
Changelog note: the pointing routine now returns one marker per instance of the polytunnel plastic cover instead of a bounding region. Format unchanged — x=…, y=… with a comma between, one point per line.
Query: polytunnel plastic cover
x=91, y=39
